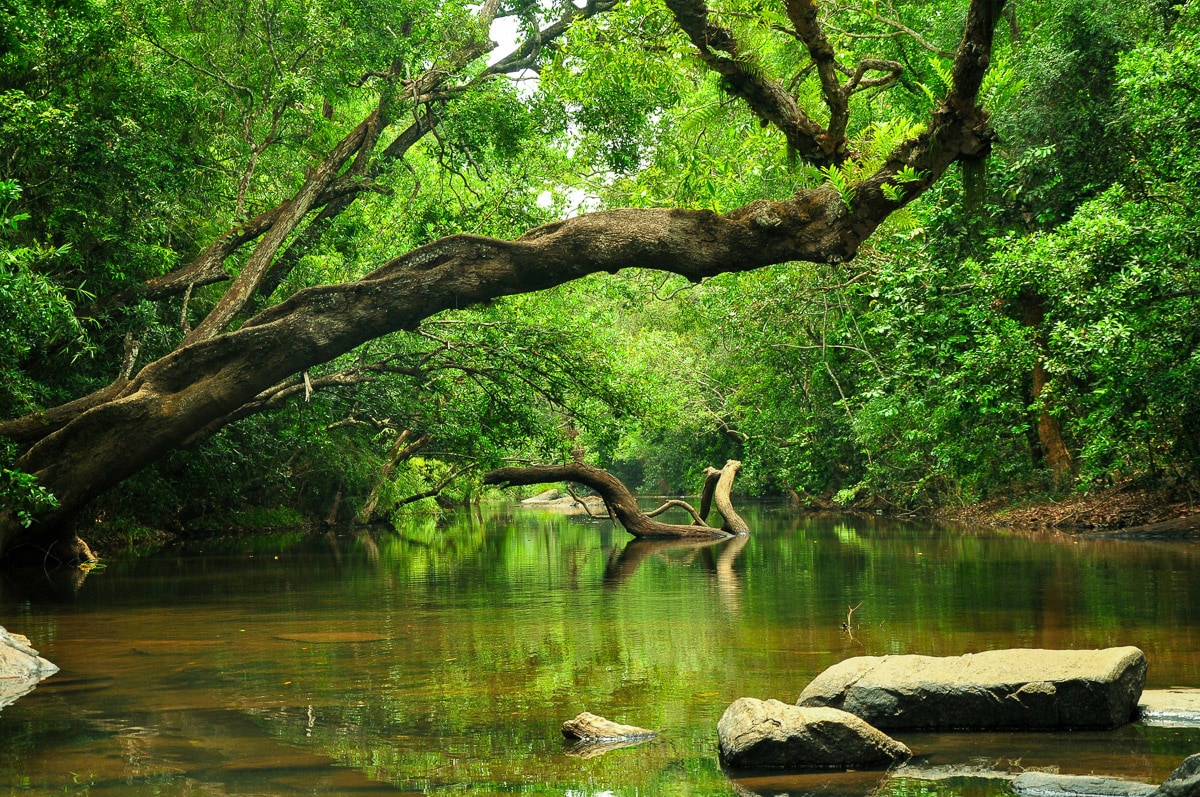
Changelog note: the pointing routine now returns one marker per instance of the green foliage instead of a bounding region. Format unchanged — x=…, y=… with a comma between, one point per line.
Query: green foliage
x=20, y=493
x=134, y=133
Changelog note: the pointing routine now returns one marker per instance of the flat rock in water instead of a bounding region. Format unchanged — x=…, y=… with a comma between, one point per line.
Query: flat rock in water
x=1046, y=784
x=593, y=505
x=1184, y=781
x=995, y=689
x=21, y=668
x=542, y=497
x=921, y=771
x=593, y=728
x=1176, y=707
x=770, y=734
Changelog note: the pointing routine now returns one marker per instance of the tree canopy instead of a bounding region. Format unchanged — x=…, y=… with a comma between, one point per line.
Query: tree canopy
x=264, y=254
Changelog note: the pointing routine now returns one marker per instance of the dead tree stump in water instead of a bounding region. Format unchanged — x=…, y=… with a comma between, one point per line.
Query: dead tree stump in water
x=623, y=506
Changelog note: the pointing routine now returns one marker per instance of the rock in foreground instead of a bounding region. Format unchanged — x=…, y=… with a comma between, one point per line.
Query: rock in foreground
x=20, y=667
x=593, y=728
x=770, y=734
x=1184, y=781
x=1045, y=784
x=995, y=689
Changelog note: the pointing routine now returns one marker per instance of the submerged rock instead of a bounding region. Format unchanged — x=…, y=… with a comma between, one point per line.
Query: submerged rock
x=995, y=689
x=768, y=733
x=593, y=728
x=1184, y=781
x=21, y=668
x=1046, y=784
x=1177, y=707
x=553, y=501
x=542, y=497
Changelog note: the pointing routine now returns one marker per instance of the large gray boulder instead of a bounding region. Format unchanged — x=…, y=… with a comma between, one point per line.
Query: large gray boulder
x=995, y=689
x=20, y=667
x=1184, y=781
x=770, y=734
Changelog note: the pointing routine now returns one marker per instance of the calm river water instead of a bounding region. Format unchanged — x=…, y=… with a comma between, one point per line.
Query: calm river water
x=444, y=658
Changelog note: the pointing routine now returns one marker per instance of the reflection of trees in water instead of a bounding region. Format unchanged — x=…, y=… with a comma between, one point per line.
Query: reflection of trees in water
x=717, y=557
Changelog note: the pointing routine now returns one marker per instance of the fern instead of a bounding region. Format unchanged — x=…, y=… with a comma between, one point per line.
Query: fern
x=842, y=178
x=943, y=71
x=1000, y=85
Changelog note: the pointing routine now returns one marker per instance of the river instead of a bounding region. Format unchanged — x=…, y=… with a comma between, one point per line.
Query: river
x=442, y=659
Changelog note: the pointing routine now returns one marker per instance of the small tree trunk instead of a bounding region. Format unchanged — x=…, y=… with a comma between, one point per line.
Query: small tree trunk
x=333, y=510
x=398, y=453
x=1054, y=451
x=974, y=177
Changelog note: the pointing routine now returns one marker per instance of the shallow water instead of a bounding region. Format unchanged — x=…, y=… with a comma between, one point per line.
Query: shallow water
x=444, y=658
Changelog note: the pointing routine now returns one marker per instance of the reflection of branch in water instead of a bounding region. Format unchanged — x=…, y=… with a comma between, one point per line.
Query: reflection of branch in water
x=368, y=543
x=30, y=584
x=621, y=567
x=729, y=583
x=332, y=539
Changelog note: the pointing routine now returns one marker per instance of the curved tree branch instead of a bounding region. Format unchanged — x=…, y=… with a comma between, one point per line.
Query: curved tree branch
x=206, y=380
x=622, y=503
x=767, y=98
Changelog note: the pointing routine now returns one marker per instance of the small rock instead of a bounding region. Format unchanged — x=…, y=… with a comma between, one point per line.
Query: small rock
x=547, y=495
x=993, y=689
x=593, y=728
x=20, y=667
x=1184, y=781
x=758, y=733
x=1046, y=784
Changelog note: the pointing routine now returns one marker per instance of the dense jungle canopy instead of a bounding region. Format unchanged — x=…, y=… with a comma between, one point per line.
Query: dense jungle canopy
x=271, y=259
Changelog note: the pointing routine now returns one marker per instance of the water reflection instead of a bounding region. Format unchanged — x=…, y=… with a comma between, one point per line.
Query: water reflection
x=445, y=657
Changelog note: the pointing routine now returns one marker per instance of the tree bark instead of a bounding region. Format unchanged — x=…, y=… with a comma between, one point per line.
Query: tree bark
x=615, y=495
x=718, y=484
x=1054, y=451
x=206, y=381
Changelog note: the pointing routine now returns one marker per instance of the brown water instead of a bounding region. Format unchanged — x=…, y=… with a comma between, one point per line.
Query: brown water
x=444, y=658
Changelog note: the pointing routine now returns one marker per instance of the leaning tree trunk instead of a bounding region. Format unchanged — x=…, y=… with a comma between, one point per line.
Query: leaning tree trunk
x=81, y=450
x=622, y=504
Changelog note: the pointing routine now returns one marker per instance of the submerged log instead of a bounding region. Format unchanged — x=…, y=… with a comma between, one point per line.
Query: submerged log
x=622, y=503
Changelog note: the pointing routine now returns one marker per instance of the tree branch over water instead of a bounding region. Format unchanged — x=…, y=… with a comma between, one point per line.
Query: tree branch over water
x=107, y=438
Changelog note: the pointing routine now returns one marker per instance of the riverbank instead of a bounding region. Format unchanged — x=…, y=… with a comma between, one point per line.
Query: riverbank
x=1126, y=509
x=1129, y=508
